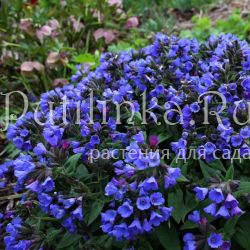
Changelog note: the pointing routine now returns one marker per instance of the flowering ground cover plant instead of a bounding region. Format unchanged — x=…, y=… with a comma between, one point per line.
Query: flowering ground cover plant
x=150, y=150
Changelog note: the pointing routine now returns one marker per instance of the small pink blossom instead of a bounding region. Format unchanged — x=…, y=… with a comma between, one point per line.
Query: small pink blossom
x=28, y=68
x=96, y=13
x=44, y=31
x=65, y=145
x=55, y=58
x=53, y=24
x=153, y=141
x=107, y=34
x=117, y=3
x=26, y=26
x=132, y=22
x=76, y=24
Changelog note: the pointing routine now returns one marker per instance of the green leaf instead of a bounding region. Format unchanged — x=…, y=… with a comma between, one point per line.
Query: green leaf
x=190, y=203
x=168, y=237
x=85, y=58
x=218, y=165
x=163, y=137
x=182, y=179
x=81, y=172
x=243, y=189
x=229, y=227
x=96, y=209
x=72, y=162
x=51, y=235
x=230, y=173
x=207, y=171
x=243, y=231
x=189, y=225
x=68, y=240
x=175, y=199
x=181, y=206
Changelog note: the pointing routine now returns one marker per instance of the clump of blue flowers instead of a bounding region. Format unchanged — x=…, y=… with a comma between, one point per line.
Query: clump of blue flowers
x=174, y=162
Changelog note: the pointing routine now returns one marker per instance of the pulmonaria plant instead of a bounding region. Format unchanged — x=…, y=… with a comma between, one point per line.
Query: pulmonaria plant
x=101, y=177
x=138, y=203
x=223, y=205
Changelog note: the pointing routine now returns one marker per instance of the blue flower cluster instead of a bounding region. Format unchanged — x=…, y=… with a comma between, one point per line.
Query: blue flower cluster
x=138, y=203
x=222, y=206
x=15, y=239
x=214, y=241
x=173, y=73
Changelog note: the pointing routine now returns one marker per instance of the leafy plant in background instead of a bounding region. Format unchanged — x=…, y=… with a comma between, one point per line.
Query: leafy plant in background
x=55, y=195
x=234, y=24
x=40, y=38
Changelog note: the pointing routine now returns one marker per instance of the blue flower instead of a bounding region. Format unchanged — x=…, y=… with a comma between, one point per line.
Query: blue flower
x=109, y=216
x=110, y=189
x=216, y=195
x=154, y=159
x=156, y=219
x=194, y=107
x=139, y=138
x=69, y=225
x=48, y=185
x=77, y=213
x=125, y=210
x=236, y=140
x=44, y=200
x=53, y=135
x=223, y=212
x=135, y=227
x=215, y=240
x=120, y=231
x=246, y=84
x=56, y=211
x=147, y=226
x=195, y=216
x=231, y=202
x=209, y=148
x=236, y=211
x=157, y=199
x=211, y=209
x=143, y=203
x=201, y=193
x=40, y=149
x=150, y=184
x=189, y=240
x=245, y=132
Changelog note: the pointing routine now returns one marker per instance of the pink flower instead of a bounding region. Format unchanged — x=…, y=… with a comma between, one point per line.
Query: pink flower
x=53, y=24
x=153, y=141
x=26, y=26
x=43, y=32
x=96, y=13
x=132, y=22
x=117, y=3
x=28, y=68
x=55, y=58
x=48, y=30
x=109, y=35
x=76, y=24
